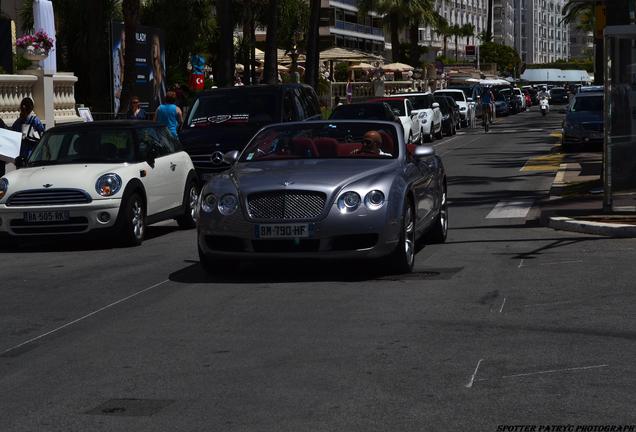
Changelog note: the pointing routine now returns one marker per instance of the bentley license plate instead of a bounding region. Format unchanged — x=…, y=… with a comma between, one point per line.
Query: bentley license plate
x=46, y=216
x=282, y=231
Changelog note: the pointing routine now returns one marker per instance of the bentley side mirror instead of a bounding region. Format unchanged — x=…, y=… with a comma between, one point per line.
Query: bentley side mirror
x=151, y=156
x=20, y=162
x=422, y=152
x=231, y=156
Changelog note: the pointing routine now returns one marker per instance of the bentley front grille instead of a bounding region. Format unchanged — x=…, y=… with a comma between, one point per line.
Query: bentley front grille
x=280, y=205
x=48, y=197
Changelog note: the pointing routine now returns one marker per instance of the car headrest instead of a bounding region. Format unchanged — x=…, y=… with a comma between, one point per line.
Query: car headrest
x=303, y=146
x=388, y=145
x=327, y=147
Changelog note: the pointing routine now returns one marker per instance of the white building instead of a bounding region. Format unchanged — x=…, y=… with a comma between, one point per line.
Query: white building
x=503, y=19
x=540, y=35
x=456, y=12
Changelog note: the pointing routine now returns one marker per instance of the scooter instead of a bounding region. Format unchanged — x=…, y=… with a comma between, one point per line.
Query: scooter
x=545, y=106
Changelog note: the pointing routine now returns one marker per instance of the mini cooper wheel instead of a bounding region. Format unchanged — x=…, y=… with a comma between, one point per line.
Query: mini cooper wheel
x=428, y=137
x=439, y=230
x=190, y=201
x=132, y=220
x=403, y=258
x=440, y=134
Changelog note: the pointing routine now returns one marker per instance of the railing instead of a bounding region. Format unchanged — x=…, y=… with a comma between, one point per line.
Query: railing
x=14, y=88
x=359, y=28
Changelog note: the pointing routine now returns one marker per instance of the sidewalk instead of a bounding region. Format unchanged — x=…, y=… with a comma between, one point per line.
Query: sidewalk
x=576, y=200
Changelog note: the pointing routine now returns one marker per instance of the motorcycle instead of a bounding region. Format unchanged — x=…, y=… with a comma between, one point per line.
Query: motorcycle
x=545, y=107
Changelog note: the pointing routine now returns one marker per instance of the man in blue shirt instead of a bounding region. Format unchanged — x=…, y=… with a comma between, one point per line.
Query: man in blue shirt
x=29, y=125
x=487, y=99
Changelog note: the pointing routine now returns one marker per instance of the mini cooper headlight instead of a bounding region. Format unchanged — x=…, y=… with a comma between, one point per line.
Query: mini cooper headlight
x=228, y=204
x=349, y=202
x=108, y=185
x=207, y=203
x=462, y=108
x=374, y=199
x=4, y=186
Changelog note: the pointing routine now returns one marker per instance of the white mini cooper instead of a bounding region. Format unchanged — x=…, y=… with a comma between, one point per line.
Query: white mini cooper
x=104, y=176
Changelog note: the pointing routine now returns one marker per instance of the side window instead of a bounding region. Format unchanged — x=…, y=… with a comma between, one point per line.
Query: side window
x=308, y=102
x=409, y=107
x=149, y=138
x=288, y=107
x=166, y=141
x=298, y=104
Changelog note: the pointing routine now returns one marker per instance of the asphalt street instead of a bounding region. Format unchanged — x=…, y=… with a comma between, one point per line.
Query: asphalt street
x=507, y=323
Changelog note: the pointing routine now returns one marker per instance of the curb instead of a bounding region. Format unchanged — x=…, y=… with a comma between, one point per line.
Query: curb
x=589, y=227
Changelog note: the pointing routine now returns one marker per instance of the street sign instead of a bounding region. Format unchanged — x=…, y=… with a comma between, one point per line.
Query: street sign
x=470, y=50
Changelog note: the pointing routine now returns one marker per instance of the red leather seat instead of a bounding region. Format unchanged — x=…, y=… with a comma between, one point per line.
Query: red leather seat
x=326, y=147
x=303, y=146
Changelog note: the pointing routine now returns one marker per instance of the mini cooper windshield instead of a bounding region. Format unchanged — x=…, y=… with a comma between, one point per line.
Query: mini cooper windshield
x=85, y=146
x=324, y=141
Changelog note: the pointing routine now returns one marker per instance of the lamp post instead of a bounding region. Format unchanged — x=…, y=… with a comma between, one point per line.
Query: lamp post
x=293, y=53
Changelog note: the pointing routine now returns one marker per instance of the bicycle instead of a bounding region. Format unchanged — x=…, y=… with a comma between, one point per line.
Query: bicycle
x=485, y=117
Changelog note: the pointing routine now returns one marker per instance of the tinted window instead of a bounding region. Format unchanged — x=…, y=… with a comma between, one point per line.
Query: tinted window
x=557, y=92
x=150, y=138
x=422, y=101
x=397, y=106
x=233, y=108
x=167, y=140
x=360, y=111
x=310, y=102
x=458, y=96
x=443, y=104
x=588, y=103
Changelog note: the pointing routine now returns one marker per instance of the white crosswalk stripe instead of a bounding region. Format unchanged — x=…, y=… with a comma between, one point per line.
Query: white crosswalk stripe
x=511, y=209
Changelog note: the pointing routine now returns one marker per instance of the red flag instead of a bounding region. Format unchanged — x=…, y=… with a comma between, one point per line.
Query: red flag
x=197, y=82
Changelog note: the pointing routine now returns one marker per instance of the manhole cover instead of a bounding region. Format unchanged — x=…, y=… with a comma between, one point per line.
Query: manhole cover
x=130, y=407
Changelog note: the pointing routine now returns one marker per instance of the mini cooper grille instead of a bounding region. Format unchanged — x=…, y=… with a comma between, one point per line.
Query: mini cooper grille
x=286, y=205
x=46, y=197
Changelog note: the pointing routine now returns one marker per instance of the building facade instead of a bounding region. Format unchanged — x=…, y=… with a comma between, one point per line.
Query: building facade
x=456, y=12
x=341, y=26
x=503, y=22
x=581, y=42
x=540, y=34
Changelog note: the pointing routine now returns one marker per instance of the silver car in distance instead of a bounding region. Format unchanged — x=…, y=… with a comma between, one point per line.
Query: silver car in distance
x=324, y=189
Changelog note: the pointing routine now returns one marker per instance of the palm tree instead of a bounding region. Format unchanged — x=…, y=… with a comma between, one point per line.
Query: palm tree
x=468, y=31
x=423, y=14
x=575, y=8
x=130, y=10
x=312, y=59
x=225, y=60
x=270, y=72
x=443, y=29
x=488, y=32
x=394, y=12
x=456, y=31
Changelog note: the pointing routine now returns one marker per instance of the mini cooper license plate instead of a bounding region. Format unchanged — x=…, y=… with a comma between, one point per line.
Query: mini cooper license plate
x=282, y=231
x=46, y=216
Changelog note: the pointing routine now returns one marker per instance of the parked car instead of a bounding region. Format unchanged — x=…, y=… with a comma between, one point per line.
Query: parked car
x=502, y=104
x=456, y=112
x=225, y=119
x=473, y=95
x=449, y=121
x=465, y=110
x=521, y=98
x=583, y=123
x=513, y=102
x=533, y=92
x=403, y=108
x=592, y=89
x=558, y=96
x=365, y=111
x=111, y=176
x=427, y=111
x=360, y=192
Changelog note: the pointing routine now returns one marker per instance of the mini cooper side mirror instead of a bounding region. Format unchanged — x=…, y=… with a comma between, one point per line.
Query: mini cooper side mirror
x=469, y=99
x=231, y=156
x=19, y=162
x=422, y=152
x=151, y=156
x=435, y=105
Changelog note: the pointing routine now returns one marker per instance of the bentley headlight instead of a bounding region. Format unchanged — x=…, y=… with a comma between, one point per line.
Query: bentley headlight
x=4, y=186
x=228, y=204
x=374, y=199
x=349, y=202
x=108, y=185
x=207, y=203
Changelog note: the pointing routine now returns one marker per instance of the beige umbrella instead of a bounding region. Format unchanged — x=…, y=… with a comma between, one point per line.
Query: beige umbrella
x=361, y=66
x=397, y=67
x=342, y=54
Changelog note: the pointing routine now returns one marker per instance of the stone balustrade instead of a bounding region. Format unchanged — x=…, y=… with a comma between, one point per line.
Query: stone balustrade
x=13, y=88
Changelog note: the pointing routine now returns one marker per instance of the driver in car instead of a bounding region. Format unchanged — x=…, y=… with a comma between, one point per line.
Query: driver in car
x=371, y=144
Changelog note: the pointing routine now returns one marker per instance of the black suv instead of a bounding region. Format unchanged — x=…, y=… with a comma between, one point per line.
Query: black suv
x=225, y=119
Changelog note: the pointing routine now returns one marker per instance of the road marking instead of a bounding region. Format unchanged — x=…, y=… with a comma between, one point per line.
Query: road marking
x=472, y=377
x=520, y=263
x=555, y=371
x=543, y=163
x=551, y=304
x=446, y=141
x=562, y=262
x=556, y=134
x=83, y=318
x=502, y=305
x=462, y=146
x=511, y=209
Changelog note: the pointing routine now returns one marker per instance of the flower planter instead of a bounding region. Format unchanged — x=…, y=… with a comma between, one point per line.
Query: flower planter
x=35, y=58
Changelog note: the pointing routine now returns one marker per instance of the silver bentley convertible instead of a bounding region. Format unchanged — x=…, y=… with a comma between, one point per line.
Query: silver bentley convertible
x=325, y=189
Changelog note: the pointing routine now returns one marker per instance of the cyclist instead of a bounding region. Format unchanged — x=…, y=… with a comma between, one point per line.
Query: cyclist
x=487, y=99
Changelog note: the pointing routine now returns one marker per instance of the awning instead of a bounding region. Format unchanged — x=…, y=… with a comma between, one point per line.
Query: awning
x=397, y=67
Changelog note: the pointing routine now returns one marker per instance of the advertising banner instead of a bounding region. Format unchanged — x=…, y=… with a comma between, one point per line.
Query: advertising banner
x=150, y=66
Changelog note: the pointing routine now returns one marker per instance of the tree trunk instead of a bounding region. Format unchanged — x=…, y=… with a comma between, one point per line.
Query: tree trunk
x=489, y=22
x=270, y=74
x=312, y=63
x=394, y=20
x=445, y=38
x=247, y=45
x=414, y=36
x=130, y=9
x=456, y=49
x=253, y=49
x=225, y=62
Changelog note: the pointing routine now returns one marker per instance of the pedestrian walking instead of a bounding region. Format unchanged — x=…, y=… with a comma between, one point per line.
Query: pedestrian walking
x=2, y=163
x=349, y=91
x=169, y=114
x=136, y=112
x=29, y=125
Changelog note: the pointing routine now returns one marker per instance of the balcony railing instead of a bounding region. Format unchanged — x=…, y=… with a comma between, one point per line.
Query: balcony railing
x=359, y=28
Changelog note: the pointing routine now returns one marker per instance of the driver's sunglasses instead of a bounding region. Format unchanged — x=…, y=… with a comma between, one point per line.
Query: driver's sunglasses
x=368, y=141
x=135, y=102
